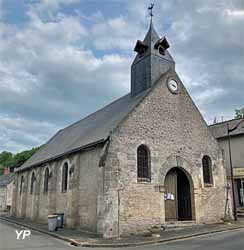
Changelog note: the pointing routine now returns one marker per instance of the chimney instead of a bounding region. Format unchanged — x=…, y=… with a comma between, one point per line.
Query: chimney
x=6, y=171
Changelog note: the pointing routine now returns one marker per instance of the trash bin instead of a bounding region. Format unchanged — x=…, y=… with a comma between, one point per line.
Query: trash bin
x=52, y=222
x=60, y=220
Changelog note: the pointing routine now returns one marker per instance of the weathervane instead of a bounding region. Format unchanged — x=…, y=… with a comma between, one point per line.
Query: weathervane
x=150, y=8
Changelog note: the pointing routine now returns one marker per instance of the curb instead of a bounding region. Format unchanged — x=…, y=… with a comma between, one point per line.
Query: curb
x=150, y=242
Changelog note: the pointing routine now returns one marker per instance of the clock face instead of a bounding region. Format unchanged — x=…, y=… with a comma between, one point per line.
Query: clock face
x=173, y=86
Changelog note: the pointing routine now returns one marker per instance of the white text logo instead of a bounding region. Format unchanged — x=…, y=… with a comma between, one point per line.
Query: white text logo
x=22, y=234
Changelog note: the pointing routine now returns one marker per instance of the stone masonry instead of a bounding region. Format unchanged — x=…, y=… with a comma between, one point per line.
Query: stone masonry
x=104, y=194
x=176, y=134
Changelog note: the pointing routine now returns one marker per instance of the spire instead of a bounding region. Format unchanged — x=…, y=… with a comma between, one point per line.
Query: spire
x=151, y=37
x=152, y=60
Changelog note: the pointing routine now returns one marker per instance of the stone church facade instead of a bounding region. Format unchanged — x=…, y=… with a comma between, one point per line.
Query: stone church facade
x=146, y=159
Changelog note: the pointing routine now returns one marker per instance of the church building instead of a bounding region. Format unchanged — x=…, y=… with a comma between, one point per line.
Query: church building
x=146, y=159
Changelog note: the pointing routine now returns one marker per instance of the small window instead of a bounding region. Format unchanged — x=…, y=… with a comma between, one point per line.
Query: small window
x=143, y=163
x=21, y=185
x=65, y=177
x=46, y=180
x=33, y=180
x=207, y=170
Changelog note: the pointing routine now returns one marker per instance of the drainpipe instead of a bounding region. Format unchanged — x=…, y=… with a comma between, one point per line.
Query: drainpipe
x=118, y=213
x=232, y=176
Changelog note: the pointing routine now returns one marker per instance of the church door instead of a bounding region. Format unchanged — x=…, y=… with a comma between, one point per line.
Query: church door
x=184, y=197
x=177, y=196
x=170, y=185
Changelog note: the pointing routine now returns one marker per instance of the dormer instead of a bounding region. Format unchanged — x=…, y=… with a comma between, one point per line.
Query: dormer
x=162, y=45
x=140, y=47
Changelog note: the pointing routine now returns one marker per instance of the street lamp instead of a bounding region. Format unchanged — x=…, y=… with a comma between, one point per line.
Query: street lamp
x=229, y=130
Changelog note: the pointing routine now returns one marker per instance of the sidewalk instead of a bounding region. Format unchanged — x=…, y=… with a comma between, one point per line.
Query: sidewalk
x=80, y=238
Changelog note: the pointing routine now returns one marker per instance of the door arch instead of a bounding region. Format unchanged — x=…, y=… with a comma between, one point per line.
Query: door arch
x=178, y=195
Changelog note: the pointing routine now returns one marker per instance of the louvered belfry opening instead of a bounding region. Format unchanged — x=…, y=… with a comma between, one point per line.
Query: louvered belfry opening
x=143, y=163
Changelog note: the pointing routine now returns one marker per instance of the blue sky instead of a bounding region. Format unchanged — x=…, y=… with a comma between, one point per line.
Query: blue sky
x=63, y=59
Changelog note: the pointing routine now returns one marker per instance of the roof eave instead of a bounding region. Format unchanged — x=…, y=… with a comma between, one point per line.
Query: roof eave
x=62, y=155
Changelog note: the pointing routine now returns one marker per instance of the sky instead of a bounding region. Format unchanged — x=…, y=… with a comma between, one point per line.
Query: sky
x=63, y=59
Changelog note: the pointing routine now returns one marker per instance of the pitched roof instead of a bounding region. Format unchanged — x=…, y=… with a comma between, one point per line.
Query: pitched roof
x=219, y=130
x=91, y=130
x=6, y=179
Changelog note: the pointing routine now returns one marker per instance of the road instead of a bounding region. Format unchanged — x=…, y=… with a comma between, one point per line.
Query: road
x=232, y=240
x=36, y=241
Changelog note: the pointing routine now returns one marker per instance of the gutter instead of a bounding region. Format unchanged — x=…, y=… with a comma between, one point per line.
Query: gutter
x=62, y=155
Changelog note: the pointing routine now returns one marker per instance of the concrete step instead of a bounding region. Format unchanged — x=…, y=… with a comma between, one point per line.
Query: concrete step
x=178, y=224
x=240, y=209
x=240, y=214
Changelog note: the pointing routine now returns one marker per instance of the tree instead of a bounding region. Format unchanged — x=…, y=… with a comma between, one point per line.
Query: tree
x=239, y=113
x=7, y=159
x=23, y=156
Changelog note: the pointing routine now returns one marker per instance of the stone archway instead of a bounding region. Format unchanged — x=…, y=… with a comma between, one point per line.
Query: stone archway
x=178, y=195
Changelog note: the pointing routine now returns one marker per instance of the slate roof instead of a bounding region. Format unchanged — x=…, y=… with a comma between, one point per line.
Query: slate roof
x=219, y=130
x=91, y=130
x=6, y=179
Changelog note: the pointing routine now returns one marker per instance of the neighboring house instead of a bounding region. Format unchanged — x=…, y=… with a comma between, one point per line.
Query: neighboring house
x=219, y=131
x=147, y=158
x=6, y=191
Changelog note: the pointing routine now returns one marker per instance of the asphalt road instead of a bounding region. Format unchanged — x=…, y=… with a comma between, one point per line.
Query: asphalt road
x=232, y=240
x=36, y=241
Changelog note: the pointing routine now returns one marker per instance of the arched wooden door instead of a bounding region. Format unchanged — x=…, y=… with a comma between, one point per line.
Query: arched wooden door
x=177, y=196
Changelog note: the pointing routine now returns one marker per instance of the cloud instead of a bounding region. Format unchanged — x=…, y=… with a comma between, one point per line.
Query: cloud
x=48, y=75
x=66, y=61
x=16, y=133
x=208, y=47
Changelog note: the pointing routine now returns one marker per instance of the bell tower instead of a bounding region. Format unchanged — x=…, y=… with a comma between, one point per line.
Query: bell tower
x=152, y=60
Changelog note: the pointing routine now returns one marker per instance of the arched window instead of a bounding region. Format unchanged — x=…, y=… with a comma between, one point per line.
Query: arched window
x=46, y=180
x=32, y=184
x=65, y=177
x=21, y=184
x=207, y=170
x=143, y=164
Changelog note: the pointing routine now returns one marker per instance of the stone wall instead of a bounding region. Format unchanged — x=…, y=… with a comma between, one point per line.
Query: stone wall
x=109, y=200
x=176, y=134
x=78, y=203
x=3, y=196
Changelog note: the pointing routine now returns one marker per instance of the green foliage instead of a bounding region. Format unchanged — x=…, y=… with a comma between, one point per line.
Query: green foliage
x=8, y=159
x=5, y=160
x=239, y=113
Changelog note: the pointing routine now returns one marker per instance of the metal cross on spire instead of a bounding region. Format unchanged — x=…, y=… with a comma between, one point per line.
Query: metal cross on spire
x=150, y=9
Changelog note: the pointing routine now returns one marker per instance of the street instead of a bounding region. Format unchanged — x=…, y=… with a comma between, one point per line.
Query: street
x=37, y=241
x=221, y=241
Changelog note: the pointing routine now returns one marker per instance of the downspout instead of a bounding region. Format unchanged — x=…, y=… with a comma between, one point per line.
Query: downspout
x=118, y=213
